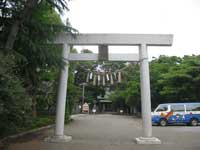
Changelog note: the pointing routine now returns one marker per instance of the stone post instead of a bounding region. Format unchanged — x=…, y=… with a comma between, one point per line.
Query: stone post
x=61, y=101
x=145, y=99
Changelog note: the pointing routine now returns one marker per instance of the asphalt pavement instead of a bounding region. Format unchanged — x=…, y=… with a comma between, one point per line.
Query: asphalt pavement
x=111, y=132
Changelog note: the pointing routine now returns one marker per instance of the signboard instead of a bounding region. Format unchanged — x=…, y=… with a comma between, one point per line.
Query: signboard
x=85, y=107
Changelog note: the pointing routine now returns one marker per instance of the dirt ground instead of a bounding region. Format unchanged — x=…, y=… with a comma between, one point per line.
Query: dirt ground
x=112, y=132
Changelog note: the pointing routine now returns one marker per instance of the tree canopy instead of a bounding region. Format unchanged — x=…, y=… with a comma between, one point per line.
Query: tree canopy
x=173, y=79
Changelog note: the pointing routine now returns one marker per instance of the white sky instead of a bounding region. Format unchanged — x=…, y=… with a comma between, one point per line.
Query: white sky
x=178, y=17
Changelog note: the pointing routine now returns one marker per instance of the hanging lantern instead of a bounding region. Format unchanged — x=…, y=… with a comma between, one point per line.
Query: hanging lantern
x=104, y=81
x=94, y=80
x=111, y=79
x=119, y=77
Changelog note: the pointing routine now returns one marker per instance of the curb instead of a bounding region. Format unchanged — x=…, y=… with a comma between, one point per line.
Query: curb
x=25, y=133
x=33, y=130
x=77, y=115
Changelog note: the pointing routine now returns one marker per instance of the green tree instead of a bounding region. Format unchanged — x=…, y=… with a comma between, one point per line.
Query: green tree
x=158, y=67
x=29, y=73
x=35, y=55
x=181, y=83
x=14, y=101
x=15, y=13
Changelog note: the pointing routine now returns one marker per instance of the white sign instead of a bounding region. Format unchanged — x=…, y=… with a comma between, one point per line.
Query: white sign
x=85, y=107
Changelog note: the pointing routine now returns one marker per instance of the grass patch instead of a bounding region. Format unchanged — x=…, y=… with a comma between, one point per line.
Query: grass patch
x=42, y=121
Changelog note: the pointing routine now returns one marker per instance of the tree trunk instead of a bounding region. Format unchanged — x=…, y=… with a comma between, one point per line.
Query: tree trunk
x=13, y=34
x=26, y=13
x=34, y=108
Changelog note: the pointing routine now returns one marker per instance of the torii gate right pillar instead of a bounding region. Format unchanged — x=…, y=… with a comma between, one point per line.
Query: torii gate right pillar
x=145, y=99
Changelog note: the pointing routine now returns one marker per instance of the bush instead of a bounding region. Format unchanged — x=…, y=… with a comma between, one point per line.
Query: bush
x=42, y=121
x=14, y=103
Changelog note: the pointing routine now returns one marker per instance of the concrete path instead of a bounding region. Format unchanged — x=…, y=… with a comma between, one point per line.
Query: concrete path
x=112, y=132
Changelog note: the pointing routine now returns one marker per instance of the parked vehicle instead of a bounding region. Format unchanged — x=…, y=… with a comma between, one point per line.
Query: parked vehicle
x=177, y=113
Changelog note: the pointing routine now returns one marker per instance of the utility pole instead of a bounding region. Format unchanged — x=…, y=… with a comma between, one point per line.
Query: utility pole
x=83, y=95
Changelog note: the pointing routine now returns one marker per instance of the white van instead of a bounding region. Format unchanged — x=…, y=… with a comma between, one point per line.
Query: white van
x=175, y=113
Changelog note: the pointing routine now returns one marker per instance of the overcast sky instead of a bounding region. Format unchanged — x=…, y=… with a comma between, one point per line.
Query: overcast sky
x=178, y=17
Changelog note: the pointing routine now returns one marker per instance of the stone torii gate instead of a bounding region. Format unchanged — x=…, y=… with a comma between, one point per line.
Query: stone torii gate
x=141, y=40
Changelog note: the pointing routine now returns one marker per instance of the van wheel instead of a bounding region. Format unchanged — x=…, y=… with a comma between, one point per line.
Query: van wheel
x=194, y=122
x=163, y=122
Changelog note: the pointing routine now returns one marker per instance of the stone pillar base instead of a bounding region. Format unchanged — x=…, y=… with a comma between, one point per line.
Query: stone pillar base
x=147, y=140
x=58, y=139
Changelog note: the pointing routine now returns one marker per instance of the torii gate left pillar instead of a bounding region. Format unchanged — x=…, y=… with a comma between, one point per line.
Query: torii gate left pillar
x=141, y=40
x=59, y=135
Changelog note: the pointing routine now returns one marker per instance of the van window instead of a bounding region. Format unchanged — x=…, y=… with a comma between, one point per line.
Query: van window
x=193, y=107
x=162, y=108
x=177, y=108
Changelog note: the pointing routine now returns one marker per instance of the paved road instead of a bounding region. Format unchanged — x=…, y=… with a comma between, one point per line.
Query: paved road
x=112, y=132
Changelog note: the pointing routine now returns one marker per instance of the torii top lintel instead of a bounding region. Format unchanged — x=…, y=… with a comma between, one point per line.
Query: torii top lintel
x=115, y=39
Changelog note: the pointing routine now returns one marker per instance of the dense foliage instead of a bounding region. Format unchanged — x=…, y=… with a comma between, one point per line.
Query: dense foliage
x=29, y=69
x=173, y=79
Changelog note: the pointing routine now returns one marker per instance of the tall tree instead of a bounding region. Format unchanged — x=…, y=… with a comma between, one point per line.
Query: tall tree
x=36, y=55
x=14, y=13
